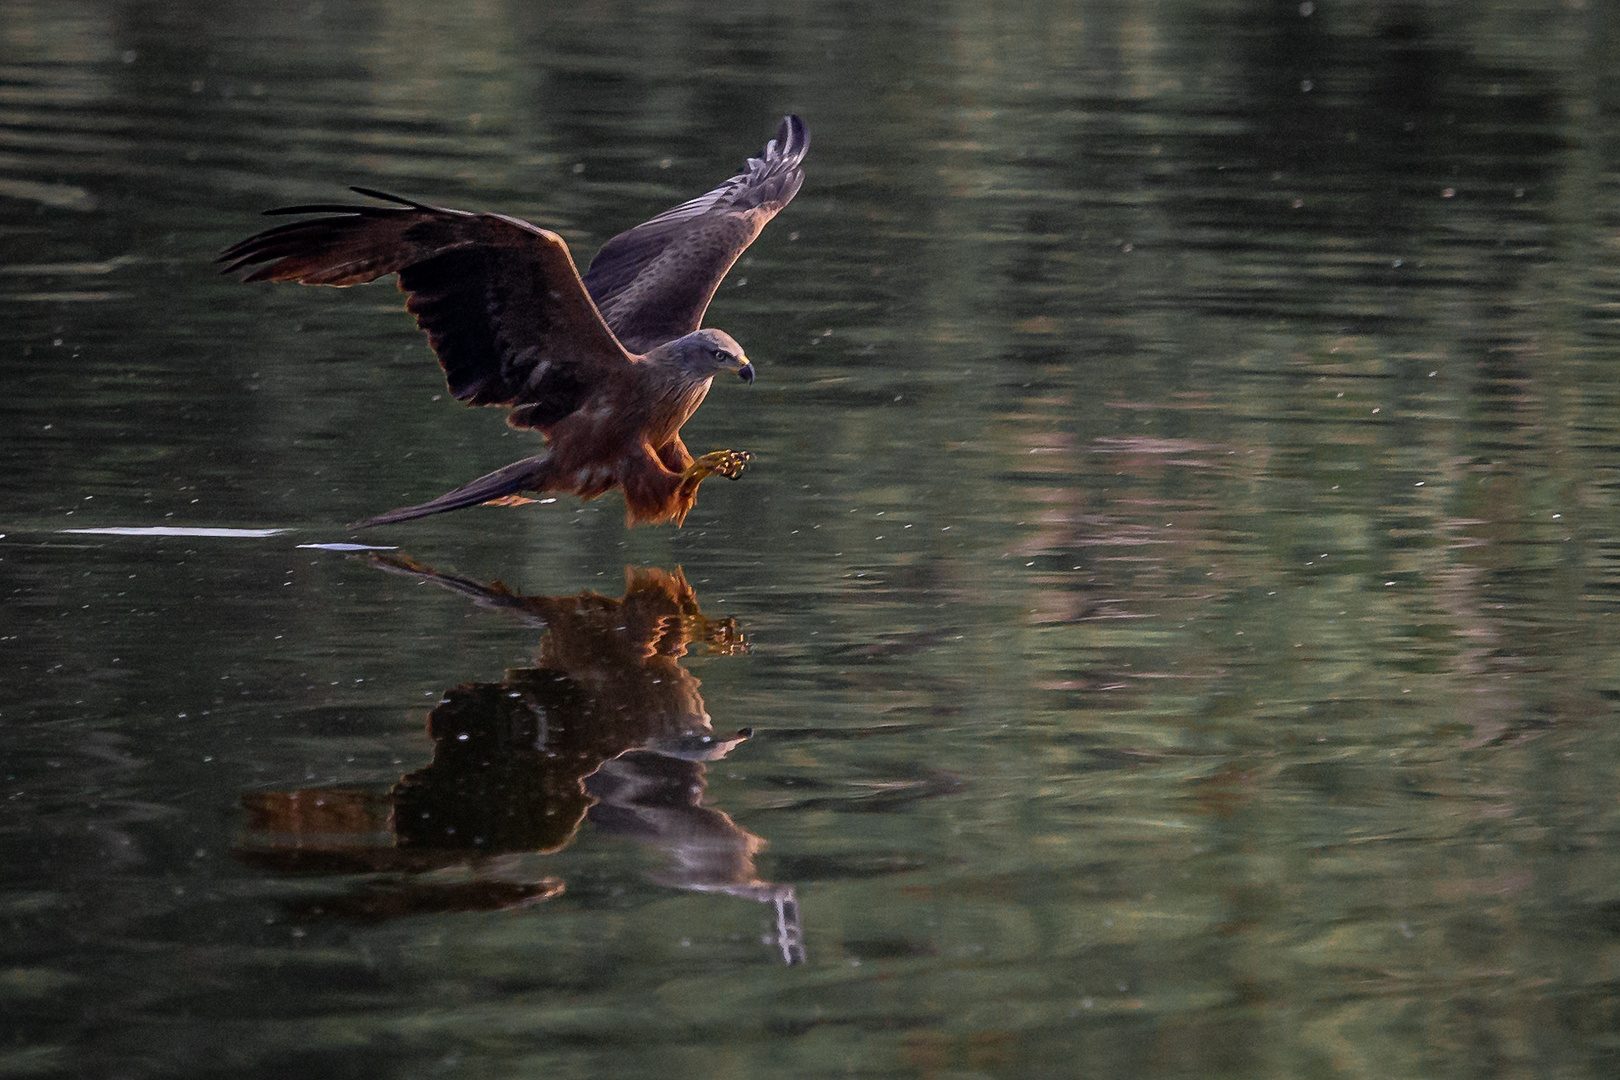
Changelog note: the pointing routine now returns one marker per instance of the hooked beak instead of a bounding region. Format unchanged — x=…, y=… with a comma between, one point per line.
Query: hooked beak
x=745, y=371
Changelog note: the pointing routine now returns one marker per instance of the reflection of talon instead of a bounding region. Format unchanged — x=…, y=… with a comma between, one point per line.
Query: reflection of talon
x=721, y=636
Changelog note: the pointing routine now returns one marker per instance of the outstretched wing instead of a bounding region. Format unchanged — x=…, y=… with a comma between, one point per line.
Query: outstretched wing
x=653, y=282
x=501, y=301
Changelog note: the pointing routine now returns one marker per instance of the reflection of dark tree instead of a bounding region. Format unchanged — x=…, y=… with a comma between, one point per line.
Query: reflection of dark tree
x=607, y=725
x=1350, y=136
x=1351, y=164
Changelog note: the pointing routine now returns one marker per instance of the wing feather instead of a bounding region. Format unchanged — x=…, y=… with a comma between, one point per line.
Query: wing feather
x=652, y=283
x=501, y=301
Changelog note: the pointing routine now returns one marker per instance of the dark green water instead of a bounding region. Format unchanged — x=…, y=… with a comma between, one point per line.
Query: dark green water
x=1178, y=571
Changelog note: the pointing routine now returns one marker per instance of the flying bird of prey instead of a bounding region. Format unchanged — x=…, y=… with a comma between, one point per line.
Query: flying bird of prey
x=606, y=367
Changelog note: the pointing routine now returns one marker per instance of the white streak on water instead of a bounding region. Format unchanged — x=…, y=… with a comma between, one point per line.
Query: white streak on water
x=175, y=530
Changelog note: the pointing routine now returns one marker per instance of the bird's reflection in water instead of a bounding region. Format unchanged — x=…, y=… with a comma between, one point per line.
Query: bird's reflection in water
x=607, y=726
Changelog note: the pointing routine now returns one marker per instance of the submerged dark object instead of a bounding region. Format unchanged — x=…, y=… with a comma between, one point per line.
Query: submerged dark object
x=607, y=367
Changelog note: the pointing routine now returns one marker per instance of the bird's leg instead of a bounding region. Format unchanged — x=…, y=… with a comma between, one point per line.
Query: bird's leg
x=668, y=495
x=727, y=463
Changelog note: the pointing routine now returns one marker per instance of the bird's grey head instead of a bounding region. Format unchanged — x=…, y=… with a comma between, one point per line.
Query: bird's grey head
x=703, y=353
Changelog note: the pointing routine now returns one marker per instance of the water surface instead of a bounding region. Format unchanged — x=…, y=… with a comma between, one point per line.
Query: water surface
x=1167, y=628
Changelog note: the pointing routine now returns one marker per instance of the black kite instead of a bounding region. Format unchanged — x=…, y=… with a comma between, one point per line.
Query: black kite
x=606, y=367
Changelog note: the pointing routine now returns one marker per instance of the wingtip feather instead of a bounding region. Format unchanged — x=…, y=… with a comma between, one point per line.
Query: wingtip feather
x=387, y=197
x=791, y=142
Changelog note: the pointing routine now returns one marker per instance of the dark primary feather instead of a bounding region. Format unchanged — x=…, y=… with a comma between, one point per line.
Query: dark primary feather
x=500, y=300
x=652, y=283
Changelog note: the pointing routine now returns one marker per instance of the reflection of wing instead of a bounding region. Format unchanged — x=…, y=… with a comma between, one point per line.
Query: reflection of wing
x=653, y=282
x=500, y=299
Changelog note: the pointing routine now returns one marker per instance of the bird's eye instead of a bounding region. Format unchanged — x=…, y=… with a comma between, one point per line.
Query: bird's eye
x=720, y=355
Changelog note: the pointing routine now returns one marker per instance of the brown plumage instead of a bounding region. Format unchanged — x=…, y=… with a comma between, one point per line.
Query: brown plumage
x=607, y=367
x=606, y=726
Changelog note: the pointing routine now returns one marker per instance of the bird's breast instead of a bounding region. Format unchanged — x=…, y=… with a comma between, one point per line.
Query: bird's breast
x=674, y=407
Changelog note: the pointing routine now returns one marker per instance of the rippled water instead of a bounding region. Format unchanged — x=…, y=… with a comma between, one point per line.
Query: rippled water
x=1167, y=628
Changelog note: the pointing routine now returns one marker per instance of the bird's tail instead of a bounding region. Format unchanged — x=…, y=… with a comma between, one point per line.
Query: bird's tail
x=526, y=475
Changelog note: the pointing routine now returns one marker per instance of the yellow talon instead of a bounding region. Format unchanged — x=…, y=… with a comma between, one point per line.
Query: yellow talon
x=727, y=463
